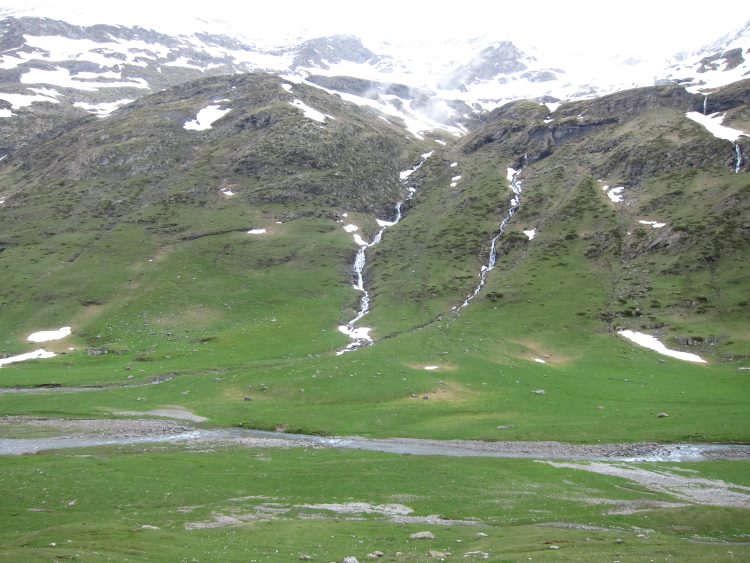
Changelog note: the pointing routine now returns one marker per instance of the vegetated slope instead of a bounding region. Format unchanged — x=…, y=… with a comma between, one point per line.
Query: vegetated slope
x=134, y=228
x=241, y=328
x=666, y=259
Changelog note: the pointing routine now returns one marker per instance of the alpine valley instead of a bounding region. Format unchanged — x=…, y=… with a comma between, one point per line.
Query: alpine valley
x=338, y=301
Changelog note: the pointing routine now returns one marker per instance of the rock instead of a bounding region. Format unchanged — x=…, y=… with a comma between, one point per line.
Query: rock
x=619, y=540
x=477, y=554
x=554, y=547
x=662, y=415
x=425, y=397
x=72, y=502
x=505, y=427
x=539, y=392
x=247, y=398
x=149, y=527
x=350, y=559
x=438, y=554
x=304, y=557
x=480, y=535
x=422, y=536
x=375, y=555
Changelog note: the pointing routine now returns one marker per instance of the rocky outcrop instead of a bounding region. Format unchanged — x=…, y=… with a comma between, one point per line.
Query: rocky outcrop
x=336, y=48
x=501, y=58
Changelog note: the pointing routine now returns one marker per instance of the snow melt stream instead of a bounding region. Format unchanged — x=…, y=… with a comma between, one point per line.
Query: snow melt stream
x=361, y=336
x=515, y=203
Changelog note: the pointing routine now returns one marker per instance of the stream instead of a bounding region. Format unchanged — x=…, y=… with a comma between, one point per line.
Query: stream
x=515, y=204
x=206, y=437
x=361, y=336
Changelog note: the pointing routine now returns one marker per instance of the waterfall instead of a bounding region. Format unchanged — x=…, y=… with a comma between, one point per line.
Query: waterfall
x=360, y=336
x=705, y=104
x=515, y=204
x=738, y=158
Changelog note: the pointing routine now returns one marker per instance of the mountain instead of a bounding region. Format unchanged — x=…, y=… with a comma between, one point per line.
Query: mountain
x=229, y=269
x=63, y=71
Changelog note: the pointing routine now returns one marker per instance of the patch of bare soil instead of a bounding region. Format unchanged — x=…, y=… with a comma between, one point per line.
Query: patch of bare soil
x=351, y=511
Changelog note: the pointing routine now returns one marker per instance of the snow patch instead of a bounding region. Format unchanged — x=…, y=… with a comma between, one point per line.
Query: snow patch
x=227, y=192
x=615, y=194
x=5, y=113
x=351, y=228
x=531, y=233
x=654, y=224
x=539, y=361
x=63, y=78
x=35, y=355
x=440, y=142
x=552, y=106
x=454, y=164
x=651, y=342
x=287, y=87
x=205, y=118
x=47, y=335
x=102, y=109
x=18, y=101
x=311, y=113
x=431, y=368
x=713, y=124
x=256, y=232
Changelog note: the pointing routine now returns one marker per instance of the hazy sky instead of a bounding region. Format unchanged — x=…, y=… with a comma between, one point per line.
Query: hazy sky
x=635, y=26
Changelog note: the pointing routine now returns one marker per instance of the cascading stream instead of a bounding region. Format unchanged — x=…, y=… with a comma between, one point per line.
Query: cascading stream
x=738, y=158
x=360, y=336
x=515, y=204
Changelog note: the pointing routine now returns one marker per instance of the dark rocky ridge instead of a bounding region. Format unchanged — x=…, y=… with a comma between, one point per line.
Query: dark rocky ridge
x=264, y=148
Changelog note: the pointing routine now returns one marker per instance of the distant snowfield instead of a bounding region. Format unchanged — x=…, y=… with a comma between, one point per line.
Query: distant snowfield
x=205, y=118
x=652, y=343
x=18, y=101
x=713, y=124
x=63, y=78
x=47, y=335
x=35, y=355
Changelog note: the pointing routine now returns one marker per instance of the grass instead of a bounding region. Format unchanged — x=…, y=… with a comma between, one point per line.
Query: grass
x=158, y=269
x=93, y=504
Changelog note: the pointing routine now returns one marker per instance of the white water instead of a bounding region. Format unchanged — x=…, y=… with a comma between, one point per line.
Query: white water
x=705, y=104
x=738, y=158
x=361, y=336
x=515, y=204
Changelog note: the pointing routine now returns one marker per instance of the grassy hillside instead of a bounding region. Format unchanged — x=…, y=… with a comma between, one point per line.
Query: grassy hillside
x=125, y=230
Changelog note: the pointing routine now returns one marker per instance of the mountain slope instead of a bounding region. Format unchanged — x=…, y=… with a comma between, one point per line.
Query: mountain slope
x=95, y=218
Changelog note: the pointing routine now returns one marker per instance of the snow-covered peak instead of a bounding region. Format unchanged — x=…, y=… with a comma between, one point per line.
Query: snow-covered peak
x=717, y=64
